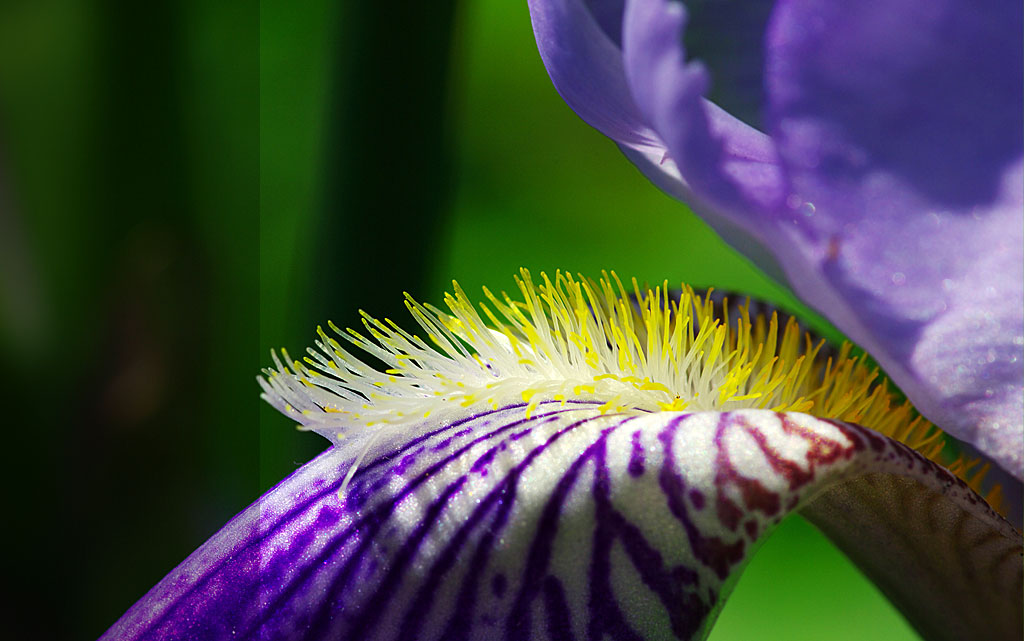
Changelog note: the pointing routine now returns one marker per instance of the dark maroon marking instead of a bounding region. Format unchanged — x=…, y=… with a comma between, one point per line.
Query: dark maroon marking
x=684, y=575
x=696, y=498
x=636, y=456
x=499, y=584
x=751, y=527
x=559, y=623
x=874, y=440
x=755, y=495
x=728, y=512
x=796, y=475
x=710, y=551
x=684, y=607
x=821, y=450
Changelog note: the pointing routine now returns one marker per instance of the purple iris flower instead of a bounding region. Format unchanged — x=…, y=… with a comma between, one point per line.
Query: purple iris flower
x=588, y=462
x=868, y=154
x=583, y=460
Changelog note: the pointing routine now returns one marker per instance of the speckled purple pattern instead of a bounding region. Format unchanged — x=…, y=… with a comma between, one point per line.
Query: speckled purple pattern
x=568, y=525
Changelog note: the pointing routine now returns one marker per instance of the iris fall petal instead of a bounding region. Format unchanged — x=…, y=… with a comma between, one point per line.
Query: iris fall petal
x=571, y=524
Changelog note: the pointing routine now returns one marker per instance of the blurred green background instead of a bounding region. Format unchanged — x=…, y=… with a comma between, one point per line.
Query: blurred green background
x=185, y=185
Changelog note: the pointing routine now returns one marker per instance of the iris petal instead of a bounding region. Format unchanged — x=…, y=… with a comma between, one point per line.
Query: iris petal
x=586, y=68
x=898, y=124
x=728, y=37
x=608, y=14
x=572, y=524
x=952, y=576
x=727, y=163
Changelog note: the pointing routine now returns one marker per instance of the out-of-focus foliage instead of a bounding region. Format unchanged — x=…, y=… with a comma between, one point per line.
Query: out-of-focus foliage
x=184, y=185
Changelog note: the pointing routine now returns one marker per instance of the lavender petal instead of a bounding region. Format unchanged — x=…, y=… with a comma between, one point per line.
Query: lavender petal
x=899, y=127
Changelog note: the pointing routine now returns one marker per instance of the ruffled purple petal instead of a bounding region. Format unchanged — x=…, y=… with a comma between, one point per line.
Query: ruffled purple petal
x=729, y=169
x=899, y=126
x=748, y=241
x=571, y=524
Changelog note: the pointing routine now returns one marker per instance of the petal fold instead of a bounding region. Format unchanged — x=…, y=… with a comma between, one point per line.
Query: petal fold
x=727, y=163
x=723, y=168
x=585, y=66
x=570, y=524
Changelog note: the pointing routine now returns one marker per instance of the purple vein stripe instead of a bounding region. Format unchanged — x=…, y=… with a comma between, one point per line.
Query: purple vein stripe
x=493, y=527
x=559, y=626
x=571, y=525
x=372, y=524
x=253, y=543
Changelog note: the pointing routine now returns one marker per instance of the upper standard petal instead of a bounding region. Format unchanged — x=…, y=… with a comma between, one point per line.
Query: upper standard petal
x=898, y=127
